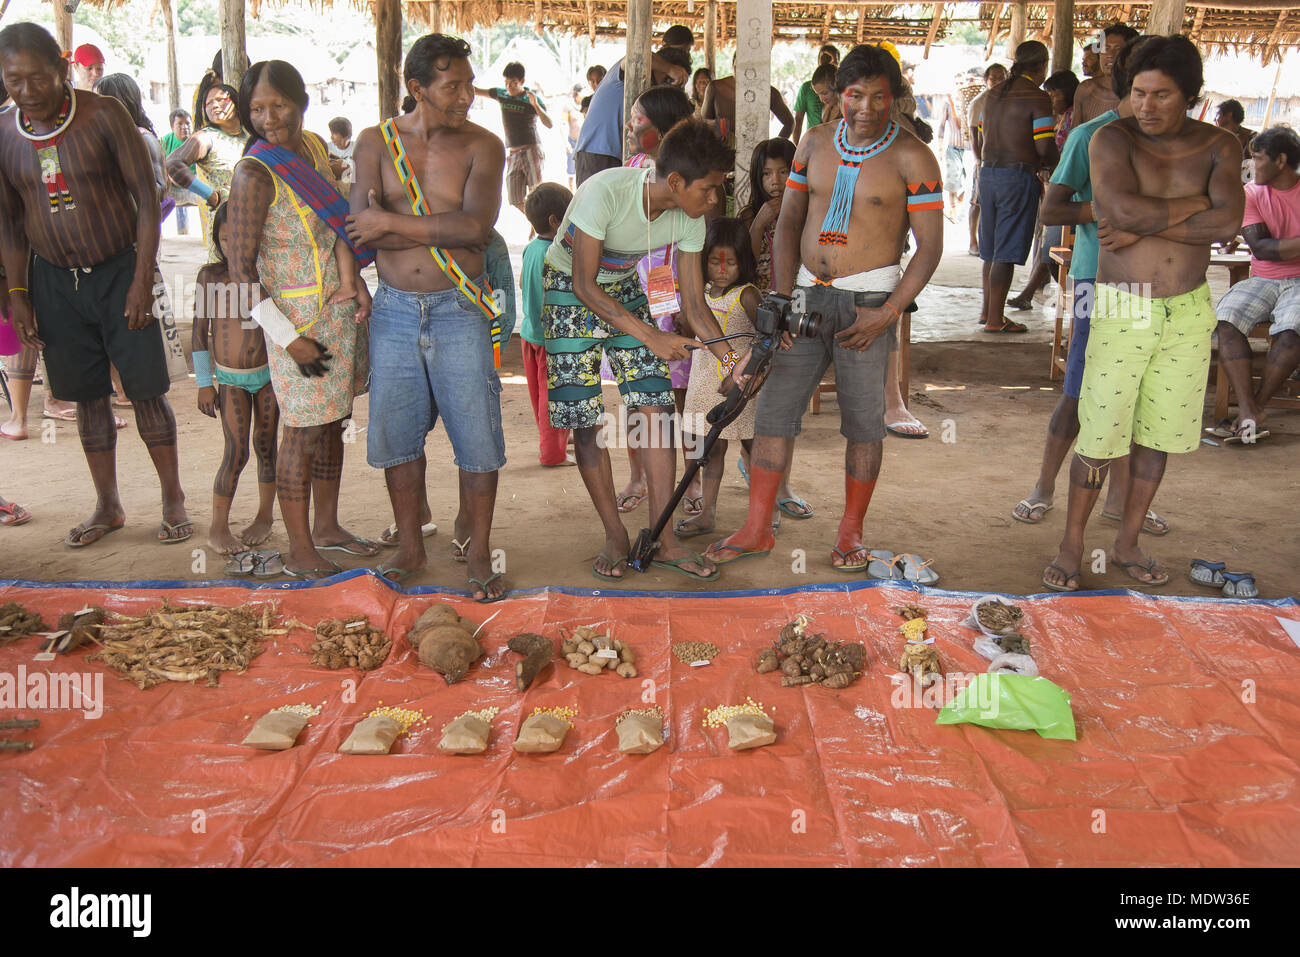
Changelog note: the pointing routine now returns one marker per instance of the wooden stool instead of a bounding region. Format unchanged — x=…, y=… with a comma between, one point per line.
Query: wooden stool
x=904, y=367
x=1062, y=255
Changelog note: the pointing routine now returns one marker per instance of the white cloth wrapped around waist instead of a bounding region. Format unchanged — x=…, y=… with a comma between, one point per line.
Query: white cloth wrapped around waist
x=884, y=279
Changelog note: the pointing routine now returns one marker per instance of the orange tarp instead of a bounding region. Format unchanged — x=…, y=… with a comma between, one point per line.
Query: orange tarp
x=1188, y=751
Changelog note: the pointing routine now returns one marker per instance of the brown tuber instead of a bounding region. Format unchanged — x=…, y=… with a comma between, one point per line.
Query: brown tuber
x=448, y=650
x=804, y=658
x=537, y=650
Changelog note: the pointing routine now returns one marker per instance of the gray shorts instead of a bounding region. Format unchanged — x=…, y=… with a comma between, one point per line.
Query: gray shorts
x=859, y=376
x=1260, y=299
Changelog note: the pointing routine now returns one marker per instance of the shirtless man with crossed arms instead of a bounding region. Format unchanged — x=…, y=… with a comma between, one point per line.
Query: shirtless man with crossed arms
x=430, y=346
x=849, y=243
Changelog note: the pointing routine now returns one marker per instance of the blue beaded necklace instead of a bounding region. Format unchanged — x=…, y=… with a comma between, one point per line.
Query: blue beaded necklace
x=835, y=227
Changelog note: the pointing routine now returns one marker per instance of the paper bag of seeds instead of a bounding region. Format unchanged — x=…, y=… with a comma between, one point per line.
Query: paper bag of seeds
x=276, y=731
x=372, y=736
x=541, y=733
x=467, y=734
x=640, y=733
x=750, y=731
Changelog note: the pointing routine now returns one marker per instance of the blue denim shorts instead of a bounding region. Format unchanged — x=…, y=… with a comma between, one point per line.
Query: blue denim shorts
x=1085, y=292
x=431, y=355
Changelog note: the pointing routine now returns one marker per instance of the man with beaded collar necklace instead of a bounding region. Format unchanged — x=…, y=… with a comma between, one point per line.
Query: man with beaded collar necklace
x=856, y=187
x=77, y=189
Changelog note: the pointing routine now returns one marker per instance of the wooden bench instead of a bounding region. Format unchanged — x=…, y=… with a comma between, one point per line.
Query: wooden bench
x=904, y=367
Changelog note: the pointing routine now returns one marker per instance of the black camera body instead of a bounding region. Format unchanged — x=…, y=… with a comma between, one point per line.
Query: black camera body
x=776, y=314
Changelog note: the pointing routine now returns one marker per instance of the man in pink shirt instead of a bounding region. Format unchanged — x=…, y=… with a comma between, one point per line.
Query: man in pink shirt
x=1271, y=228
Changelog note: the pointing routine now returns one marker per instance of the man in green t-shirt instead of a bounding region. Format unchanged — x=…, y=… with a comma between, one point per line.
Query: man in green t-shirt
x=808, y=101
x=181, y=129
x=593, y=305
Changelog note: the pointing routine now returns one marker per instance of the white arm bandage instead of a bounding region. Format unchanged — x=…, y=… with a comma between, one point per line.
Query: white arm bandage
x=274, y=323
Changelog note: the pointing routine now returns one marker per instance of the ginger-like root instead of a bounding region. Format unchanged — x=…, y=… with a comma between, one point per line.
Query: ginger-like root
x=537, y=650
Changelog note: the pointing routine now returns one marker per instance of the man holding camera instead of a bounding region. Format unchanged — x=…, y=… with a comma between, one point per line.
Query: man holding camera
x=855, y=189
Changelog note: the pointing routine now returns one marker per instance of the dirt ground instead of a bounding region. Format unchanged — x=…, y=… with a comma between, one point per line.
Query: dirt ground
x=950, y=501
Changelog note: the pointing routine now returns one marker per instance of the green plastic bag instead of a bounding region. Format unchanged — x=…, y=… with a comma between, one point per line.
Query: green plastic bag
x=1018, y=702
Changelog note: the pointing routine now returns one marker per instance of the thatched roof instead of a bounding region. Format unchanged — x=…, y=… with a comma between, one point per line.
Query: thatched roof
x=1260, y=27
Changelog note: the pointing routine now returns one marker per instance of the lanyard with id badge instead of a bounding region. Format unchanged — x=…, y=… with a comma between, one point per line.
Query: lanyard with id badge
x=660, y=284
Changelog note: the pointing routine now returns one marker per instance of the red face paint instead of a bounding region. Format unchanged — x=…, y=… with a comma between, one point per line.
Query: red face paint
x=724, y=265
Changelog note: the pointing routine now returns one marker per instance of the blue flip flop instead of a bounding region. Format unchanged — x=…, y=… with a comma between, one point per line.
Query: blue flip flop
x=783, y=505
x=744, y=472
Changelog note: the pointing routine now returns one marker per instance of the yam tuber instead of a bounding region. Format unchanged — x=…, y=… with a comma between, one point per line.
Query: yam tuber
x=448, y=650
x=626, y=670
x=537, y=650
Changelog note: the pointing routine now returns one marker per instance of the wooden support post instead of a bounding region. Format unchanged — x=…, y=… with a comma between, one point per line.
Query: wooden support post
x=711, y=36
x=173, y=74
x=234, y=54
x=1019, y=17
x=1063, y=35
x=388, y=53
x=62, y=25
x=636, y=61
x=935, y=19
x=1166, y=17
x=753, y=86
x=862, y=15
x=993, y=31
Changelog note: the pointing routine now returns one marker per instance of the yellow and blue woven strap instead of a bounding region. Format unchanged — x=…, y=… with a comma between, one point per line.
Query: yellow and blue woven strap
x=450, y=268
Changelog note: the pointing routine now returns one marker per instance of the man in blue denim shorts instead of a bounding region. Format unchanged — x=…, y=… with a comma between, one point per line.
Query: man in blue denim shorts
x=430, y=341
x=849, y=241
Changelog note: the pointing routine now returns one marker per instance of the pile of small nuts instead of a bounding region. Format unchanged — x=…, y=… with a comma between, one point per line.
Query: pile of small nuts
x=349, y=643
x=689, y=652
x=591, y=653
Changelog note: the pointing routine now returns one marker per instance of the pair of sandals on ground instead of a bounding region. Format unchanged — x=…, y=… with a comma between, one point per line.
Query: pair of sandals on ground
x=459, y=553
x=1243, y=430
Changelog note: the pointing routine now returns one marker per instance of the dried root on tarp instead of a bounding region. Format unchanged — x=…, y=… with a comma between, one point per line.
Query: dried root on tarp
x=999, y=616
x=445, y=642
x=805, y=658
x=184, y=643
x=17, y=622
x=591, y=652
x=921, y=662
x=349, y=643
x=538, y=650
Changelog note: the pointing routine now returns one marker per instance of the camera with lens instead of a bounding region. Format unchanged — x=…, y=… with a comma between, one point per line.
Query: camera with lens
x=777, y=314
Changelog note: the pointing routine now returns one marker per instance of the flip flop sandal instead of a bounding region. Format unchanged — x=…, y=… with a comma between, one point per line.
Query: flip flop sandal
x=12, y=438
x=241, y=563
x=693, y=504
x=19, y=514
x=1007, y=327
x=883, y=565
x=740, y=553
x=68, y=415
x=1240, y=437
x=1148, y=522
x=388, y=537
x=1147, y=566
x=613, y=563
x=354, y=540
x=896, y=428
x=459, y=550
x=744, y=472
x=267, y=564
x=1209, y=574
x=82, y=531
x=311, y=574
x=1020, y=305
x=784, y=503
x=1031, y=506
x=916, y=570
x=690, y=531
x=1239, y=585
x=846, y=568
x=1068, y=575
x=1221, y=431
x=167, y=530
x=631, y=501
x=676, y=566
x=487, y=598
x=394, y=574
